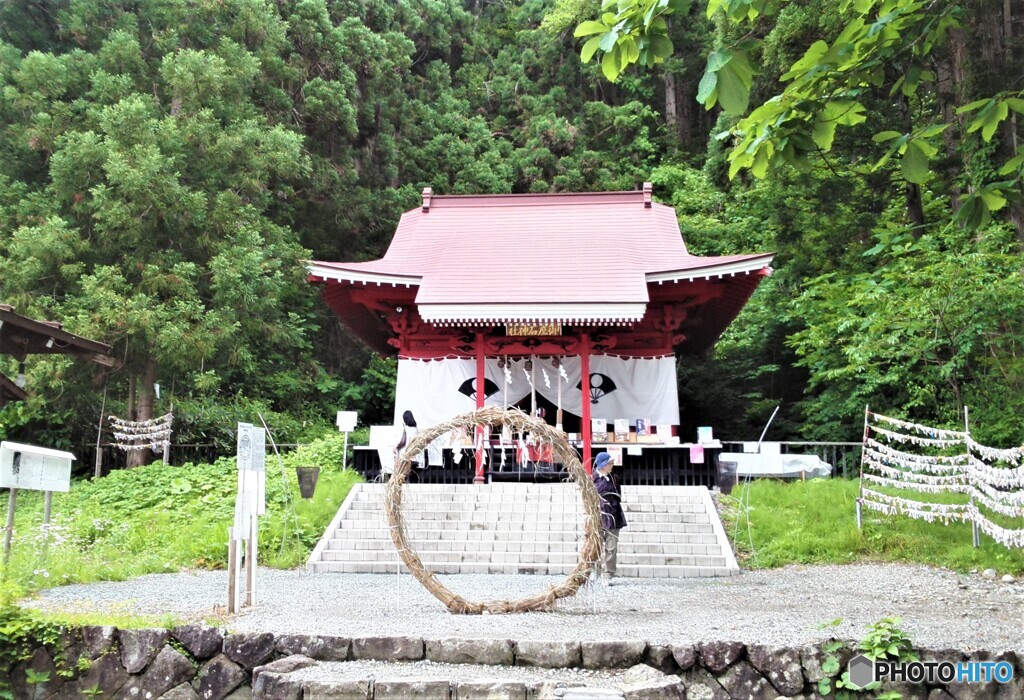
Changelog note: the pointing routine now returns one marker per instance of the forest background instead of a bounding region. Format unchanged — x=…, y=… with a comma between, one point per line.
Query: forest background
x=166, y=166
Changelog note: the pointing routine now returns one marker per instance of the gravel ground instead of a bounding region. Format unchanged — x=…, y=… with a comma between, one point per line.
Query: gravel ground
x=778, y=607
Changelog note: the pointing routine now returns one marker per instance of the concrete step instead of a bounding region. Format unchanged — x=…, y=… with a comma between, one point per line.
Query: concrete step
x=525, y=528
x=675, y=545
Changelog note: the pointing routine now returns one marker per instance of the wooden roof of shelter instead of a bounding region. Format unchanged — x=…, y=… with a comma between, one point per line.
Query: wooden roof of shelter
x=9, y=391
x=579, y=259
x=21, y=336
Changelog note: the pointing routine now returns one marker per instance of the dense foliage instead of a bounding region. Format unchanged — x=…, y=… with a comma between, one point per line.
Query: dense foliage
x=165, y=167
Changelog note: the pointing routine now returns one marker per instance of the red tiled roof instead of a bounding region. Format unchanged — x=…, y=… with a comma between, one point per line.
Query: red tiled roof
x=566, y=252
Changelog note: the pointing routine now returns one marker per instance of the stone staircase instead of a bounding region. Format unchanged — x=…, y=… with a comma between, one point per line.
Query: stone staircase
x=509, y=528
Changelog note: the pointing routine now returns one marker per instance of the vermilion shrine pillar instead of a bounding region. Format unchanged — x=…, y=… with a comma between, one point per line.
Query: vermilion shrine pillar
x=480, y=396
x=585, y=388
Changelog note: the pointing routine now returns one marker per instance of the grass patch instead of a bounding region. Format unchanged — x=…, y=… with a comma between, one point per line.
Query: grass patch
x=814, y=522
x=158, y=519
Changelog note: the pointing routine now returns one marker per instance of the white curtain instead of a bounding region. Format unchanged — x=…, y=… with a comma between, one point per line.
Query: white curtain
x=438, y=390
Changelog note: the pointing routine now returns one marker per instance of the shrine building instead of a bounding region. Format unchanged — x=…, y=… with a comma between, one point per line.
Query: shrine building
x=580, y=304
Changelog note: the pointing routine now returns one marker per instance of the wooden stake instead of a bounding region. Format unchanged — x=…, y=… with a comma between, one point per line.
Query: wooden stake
x=232, y=572
x=47, y=501
x=250, y=562
x=10, y=523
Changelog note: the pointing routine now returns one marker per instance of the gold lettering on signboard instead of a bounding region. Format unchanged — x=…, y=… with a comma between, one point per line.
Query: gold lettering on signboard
x=525, y=329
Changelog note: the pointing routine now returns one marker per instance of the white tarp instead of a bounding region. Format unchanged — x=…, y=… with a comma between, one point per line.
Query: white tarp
x=438, y=390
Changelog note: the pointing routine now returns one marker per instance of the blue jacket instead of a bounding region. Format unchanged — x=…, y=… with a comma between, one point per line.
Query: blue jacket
x=612, y=515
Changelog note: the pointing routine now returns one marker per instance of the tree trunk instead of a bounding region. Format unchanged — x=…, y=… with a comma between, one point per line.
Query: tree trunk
x=144, y=400
x=915, y=209
x=671, y=104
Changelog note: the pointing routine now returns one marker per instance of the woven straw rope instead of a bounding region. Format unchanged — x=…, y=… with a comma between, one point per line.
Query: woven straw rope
x=519, y=421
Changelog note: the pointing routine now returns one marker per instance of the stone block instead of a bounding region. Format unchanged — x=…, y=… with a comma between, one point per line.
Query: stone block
x=429, y=689
x=612, y=654
x=181, y=692
x=489, y=690
x=337, y=690
x=39, y=663
x=202, y=641
x=388, y=648
x=666, y=688
x=743, y=682
x=106, y=674
x=659, y=656
x=321, y=648
x=286, y=665
x=718, y=656
x=99, y=640
x=280, y=686
x=556, y=654
x=456, y=650
x=685, y=656
x=780, y=666
x=249, y=649
x=170, y=668
x=139, y=647
x=218, y=677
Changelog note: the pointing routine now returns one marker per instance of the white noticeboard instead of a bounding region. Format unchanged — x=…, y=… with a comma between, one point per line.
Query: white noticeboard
x=35, y=468
x=347, y=421
x=252, y=464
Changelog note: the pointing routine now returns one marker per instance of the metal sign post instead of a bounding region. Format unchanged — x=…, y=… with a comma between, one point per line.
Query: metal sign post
x=346, y=424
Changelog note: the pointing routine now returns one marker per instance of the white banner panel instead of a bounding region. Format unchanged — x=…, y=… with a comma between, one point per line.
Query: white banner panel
x=437, y=390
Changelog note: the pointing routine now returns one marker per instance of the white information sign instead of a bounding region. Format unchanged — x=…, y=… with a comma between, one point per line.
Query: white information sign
x=36, y=468
x=347, y=421
x=251, y=447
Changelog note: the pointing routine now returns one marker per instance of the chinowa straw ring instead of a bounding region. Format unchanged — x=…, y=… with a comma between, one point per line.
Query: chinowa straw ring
x=590, y=548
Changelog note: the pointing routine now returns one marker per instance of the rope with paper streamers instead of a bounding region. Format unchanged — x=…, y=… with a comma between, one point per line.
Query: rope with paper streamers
x=150, y=434
x=591, y=544
x=997, y=489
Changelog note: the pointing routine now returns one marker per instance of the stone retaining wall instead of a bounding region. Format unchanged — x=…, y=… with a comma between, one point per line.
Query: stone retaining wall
x=191, y=662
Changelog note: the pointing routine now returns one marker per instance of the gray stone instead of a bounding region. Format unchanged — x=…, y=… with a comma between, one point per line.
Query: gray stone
x=660, y=657
x=218, y=677
x=951, y=655
x=700, y=685
x=106, y=674
x=249, y=649
x=202, y=641
x=554, y=690
x=433, y=689
x=281, y=686
x=743, y=682
x=40, y=664
x=242, y=692
x=612, y=654
x=321, y=648
x=982, y=691
x=73, y=646
x=489, y=690
x=989, y=574
x=388, y=648
x=285, y=665
x=718, y=656
x=813, y=657
x=1007, y=578
x=180, y=692
x=139, y=647
x=487, y=652
x=641, y=673
x=780, y=666
x=337, y=690
x=939, y=694
x=99, y=640
x=170, y=668
x=668, y=688
x=548, y=654
x=685, y=656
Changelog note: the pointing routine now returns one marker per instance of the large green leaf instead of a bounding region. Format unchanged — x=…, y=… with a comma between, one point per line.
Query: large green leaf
x=591, y=27
x=915, y=163
x=706, y=94
x=590, y=48
x=734, y=87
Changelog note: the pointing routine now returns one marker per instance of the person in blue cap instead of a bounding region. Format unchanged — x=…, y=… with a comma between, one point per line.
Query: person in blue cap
x=613, y=518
